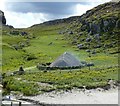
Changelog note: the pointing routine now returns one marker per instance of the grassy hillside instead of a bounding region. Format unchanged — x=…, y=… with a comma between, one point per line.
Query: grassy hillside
x=43, y=46
x=92, y=37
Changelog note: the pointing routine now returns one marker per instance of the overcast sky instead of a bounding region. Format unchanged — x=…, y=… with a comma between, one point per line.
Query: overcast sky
x=27, y=13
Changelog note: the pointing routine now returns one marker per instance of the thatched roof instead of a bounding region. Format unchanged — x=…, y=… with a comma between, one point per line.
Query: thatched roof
x=66, y=60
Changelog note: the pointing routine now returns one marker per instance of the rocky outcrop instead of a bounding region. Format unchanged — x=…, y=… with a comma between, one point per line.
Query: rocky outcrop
x=103, y=18
x=59, y=21
x=2, y=18
x=97, y=26
x=103, y=25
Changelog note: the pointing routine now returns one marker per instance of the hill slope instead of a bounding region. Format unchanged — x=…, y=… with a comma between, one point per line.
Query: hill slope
x=99, y=25
x=92, y=38
x=96, y=31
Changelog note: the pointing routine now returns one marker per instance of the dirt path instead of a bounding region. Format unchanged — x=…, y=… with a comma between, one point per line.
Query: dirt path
x=29, y=68
x=79, y=97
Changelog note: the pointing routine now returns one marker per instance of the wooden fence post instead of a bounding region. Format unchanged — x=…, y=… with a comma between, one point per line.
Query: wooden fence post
x=11, y=103
x=20, y=104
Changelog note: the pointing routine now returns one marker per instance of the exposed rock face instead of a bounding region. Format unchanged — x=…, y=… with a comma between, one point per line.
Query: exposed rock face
x=103, y=25
x=2, y=18
x=118, y=24
x=102, y=18
x=115, y=0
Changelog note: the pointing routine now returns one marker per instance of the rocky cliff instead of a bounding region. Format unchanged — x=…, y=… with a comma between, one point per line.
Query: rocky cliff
x=2, y=18
x=102, y=18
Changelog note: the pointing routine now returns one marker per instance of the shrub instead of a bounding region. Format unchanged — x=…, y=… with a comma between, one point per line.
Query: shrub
x=30, y=57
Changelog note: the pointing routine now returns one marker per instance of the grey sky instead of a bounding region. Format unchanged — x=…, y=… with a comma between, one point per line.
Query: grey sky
x=42, y=7
x=25, y=14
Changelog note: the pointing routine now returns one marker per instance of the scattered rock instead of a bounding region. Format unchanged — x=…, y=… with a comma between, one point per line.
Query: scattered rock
x=106, y=23
x=94, y=52
x=108, y=45
x=97, y=46
x=74, y=42
x=88, y=40
x=97, y=36
x=22, y=44
x=24, y=33
x=16, y=47
x=81, y=33
x=80, y=46
x=14, y=32
x=88, y=50
x=118, y=24
x=71, y=32
x=82, y=40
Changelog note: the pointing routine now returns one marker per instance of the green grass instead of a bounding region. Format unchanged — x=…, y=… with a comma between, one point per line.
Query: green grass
x=40, y=48
x=44, y=44
x=59, y=79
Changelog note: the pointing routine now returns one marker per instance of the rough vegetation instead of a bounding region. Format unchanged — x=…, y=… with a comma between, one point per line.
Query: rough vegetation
x=38, y=82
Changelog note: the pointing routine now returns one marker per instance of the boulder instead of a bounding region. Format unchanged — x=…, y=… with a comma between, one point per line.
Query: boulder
x=97, y=36
x=88, y=50
x=108, y=45
x=94, y=52
x=81, y=46
x=106, y=23
x=97, y=46
x=118, y=24
x=24, y=33
x=81, y=33
x=88, y=39
x=15, y=46
x=74, y=42
x=71, y=32
x=82, y=40
x=94, y=28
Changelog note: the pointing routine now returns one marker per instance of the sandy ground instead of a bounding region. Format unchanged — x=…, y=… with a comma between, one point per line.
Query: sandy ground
x=76, y=96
